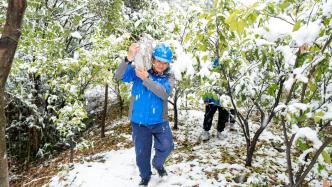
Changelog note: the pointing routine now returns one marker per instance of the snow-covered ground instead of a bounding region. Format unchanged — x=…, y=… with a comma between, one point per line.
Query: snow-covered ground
x=218, y=162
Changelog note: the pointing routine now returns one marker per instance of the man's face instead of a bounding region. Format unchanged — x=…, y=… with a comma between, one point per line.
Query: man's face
x=160, y=66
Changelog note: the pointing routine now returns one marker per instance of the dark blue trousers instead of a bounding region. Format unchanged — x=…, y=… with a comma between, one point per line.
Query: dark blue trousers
x=223, y=117
x=163, y=145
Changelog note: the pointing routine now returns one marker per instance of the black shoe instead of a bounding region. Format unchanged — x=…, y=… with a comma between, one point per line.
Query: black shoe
x=162, y=172
x=144, y=182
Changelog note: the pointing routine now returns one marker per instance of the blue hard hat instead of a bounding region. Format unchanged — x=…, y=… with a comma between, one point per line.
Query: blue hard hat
x=163, y=53
x=215, y=63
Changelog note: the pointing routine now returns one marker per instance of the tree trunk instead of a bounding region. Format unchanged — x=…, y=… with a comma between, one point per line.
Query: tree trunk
x=71, y=156
x=118, y=94
x=8, y=45
x=288, y=153
x=252, y=147
x=3, y=154
x=104, y=113
x=176, y=120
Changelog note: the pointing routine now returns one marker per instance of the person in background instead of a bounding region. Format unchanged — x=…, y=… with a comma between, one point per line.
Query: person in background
x=212, y=104
x=148, y=111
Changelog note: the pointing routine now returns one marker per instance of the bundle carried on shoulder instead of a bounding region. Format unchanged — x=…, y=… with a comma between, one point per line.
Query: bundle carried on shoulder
x=143, y=58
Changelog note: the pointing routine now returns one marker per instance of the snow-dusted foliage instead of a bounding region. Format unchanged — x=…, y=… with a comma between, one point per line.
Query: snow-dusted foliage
x=63, y=51
x=274, y=64
x=275, y=70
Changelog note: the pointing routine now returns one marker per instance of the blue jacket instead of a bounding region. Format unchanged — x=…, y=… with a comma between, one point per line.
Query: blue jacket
x=149, y=98
x=211, y=97
x=211, y=101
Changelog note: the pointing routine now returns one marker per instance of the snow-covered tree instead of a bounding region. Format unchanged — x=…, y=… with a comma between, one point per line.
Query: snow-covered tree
x=265, y=72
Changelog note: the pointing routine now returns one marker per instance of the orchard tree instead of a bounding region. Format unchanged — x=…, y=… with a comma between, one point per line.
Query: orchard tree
x=53, y=31
x=184, y=65
x=276, y=78
x=305, y=111
x=56, y=34
x=106, y=54
x=259, y=72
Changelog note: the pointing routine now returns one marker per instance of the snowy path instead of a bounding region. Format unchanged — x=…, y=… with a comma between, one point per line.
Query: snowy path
x=202, y=166
x=118, y=168
x=215, y=163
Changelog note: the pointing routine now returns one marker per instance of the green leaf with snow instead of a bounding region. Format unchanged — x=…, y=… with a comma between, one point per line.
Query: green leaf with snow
x=271, y=8
x=301, y=145
x=232, y=21
x=76, y=19
x=321, y=167
x=318, y=116
x=272, y=89
x=327, y=157
x=312, y=86
x=216, y=3
x=297, y=26
x=252, y=17
x=284, y=5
